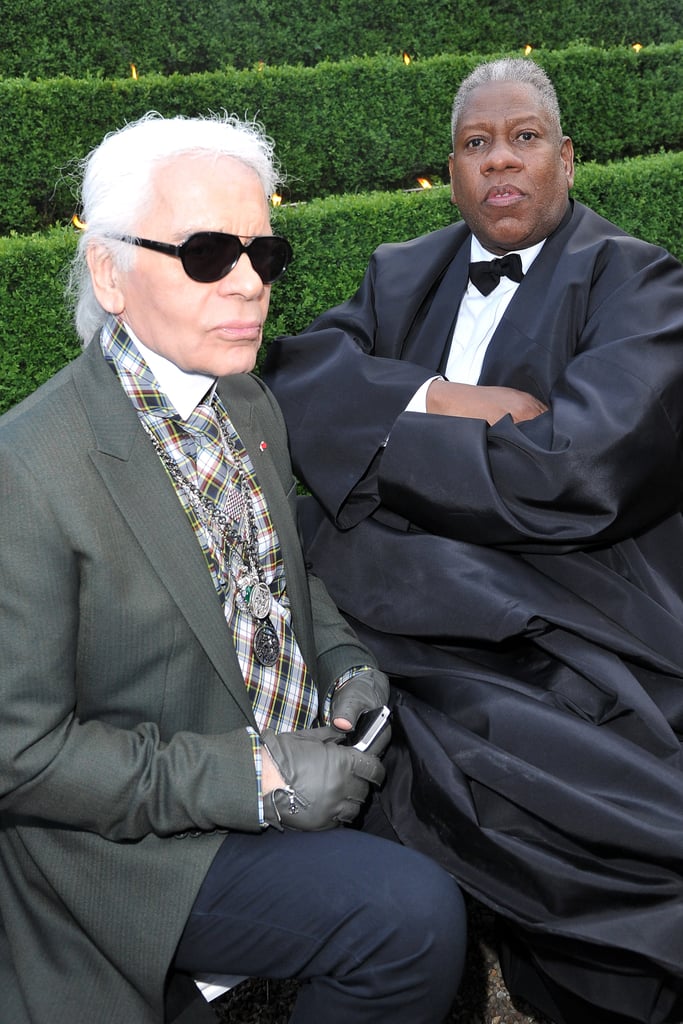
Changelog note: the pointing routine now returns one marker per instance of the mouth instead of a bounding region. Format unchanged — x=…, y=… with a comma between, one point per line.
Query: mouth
x=503, y=195
x=240, y=331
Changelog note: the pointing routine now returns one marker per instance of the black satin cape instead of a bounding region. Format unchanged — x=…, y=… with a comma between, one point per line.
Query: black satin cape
x=523, y=585
x=544, y=770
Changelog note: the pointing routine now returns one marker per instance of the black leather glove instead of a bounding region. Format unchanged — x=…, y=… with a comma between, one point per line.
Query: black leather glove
x=365, y=691
x=326, y=783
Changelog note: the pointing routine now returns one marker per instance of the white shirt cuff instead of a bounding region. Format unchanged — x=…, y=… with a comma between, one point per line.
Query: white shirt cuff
x=418, y=403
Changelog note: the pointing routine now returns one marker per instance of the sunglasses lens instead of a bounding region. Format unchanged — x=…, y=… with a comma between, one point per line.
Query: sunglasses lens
x=270, y=256
x=209, y=256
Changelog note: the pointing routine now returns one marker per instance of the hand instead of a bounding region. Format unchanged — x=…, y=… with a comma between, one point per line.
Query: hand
x=365, y=691
x=325, y=783
x=448, y=398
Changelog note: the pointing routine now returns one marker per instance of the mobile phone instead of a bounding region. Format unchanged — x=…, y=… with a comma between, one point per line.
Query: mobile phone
x=368, y=727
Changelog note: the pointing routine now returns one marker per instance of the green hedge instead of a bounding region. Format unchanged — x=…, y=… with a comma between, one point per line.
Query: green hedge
x=45, y=38
x=332, y=239
x=361, y=125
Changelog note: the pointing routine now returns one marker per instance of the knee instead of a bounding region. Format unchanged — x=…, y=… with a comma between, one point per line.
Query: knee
x=432, y=911
x=439, y=903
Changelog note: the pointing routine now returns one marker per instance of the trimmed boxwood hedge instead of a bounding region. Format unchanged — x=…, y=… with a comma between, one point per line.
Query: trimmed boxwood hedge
x=360, y=125
x=332, y=239
x=45, y=38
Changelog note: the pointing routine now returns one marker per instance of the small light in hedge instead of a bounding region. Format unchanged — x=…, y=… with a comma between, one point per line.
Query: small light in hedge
x=424, y=182
x=79, y=224
x=527, y=49
x=637, y=47
x=406, y=57
x=134, y=72
x=275, y=199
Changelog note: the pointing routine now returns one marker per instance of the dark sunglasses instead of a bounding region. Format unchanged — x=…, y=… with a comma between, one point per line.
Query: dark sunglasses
x=210, y=255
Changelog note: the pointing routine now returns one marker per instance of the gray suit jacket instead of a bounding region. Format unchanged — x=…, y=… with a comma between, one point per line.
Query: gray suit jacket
x=124, y=710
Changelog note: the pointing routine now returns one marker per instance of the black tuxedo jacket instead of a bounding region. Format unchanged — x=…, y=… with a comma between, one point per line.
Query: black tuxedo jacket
x=595, y=330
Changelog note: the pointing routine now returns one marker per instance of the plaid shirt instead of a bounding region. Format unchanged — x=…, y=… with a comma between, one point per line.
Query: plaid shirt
x=283, y=695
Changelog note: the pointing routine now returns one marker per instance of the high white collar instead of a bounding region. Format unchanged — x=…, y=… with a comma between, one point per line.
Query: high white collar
x=185, y=390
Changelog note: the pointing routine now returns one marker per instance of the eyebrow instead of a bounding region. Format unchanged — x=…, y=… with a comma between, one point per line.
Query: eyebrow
x=509, y=122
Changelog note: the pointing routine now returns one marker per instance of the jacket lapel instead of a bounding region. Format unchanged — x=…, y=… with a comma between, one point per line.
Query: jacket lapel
x=526, y=349
x=142, y=491
x=428, y=339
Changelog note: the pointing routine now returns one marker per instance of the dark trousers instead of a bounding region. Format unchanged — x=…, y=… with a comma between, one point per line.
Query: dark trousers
x=376, y=931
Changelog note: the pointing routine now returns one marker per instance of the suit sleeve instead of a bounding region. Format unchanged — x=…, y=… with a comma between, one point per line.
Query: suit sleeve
x=602, y=464
x=341, y=389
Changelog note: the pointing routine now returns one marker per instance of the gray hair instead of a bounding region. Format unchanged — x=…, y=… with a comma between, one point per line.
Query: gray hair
x=509, y=69
x=117, y=184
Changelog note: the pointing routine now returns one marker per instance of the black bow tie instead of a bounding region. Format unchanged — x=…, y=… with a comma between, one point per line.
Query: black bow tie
x=486, y=276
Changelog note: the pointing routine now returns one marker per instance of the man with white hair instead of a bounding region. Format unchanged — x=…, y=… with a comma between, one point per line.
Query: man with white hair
x=175, y=688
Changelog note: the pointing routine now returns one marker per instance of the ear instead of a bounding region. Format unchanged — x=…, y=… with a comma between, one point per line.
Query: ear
x=567, y=158
x=451, y=162
x=106, y=278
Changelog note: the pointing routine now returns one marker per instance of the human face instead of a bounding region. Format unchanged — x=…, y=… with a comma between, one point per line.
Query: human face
x=213, y=328
x=511, y=171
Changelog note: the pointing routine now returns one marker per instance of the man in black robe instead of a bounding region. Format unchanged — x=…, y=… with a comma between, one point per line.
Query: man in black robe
x=497, y=472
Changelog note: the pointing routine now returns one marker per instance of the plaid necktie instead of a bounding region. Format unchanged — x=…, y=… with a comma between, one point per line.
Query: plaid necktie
x=214, y=473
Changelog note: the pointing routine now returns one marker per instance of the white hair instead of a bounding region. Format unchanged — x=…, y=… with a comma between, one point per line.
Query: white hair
x=117, y=181
x=509, y=69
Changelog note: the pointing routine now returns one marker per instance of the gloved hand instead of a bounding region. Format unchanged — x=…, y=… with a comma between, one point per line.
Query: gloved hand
x=365, y=691
x=326, y=783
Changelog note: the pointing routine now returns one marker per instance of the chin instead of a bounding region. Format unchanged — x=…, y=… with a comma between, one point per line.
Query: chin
x=229, y=367
x=228, y=361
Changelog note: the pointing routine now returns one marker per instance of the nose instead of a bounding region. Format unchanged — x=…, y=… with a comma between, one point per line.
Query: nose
x=501, y=156
x=242, y=280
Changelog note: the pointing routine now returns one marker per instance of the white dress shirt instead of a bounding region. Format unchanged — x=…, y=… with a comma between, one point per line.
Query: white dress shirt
x=478, y=317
